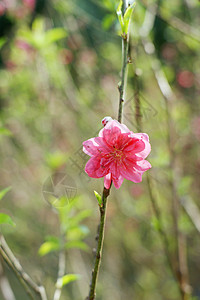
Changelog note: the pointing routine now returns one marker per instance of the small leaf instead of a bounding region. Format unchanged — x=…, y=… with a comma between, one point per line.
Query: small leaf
x=67, y=279
x=77, y=232
x=54, y=35
x=76, y=244
x=120, y=15
x=75, y=220
x=98, y=198
x=127, y=16
x=5, y=131
x=2, y=42
x=155, y=224
x=48, y=247
x=5, y=219
x=4, y=192
x=108, y=21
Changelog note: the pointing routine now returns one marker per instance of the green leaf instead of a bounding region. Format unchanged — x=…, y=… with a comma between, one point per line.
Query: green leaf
x=2, y=42
x=75, y=220
x=108, y=21
x=76, y=244
x=127, y=16
x=4, y=192
x=67, y=279
x=120, y=15
x=56, y=159
x=5, y=219
x=155, y=223
x=77, y=232
x=98, y=198
x=54, y=35
x=5, y=131
x=48, y=247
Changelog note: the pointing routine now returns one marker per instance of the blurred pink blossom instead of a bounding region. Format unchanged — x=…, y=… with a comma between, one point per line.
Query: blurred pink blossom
x=196, y=127
x=24, y=46
x=30, y=4
x=117, y=153
x=185, y=79
x=2, y=8
x=10, y=65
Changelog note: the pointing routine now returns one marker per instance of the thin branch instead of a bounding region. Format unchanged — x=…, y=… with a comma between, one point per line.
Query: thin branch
x=122, y=84
x=153, y=198
x=100, y=238
x=124, y=73
x=6, y=289
x=61, y=273
x=177, y=24
x=17, y=268
x=106, y=192
x=9, y=263
x=192, y=211
x=180, y=261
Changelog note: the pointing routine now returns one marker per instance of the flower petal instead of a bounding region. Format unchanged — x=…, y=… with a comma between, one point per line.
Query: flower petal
x=142, y=136
x=145, y=138
x=107, y=181
x=135, y=146
x=111, y=135
x=129, y=172
x=143, y=165
x=90, y=147
x=94, y=168
x=118, y=181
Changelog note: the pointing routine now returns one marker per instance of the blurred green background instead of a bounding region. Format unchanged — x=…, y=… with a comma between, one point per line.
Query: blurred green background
x=60, y=66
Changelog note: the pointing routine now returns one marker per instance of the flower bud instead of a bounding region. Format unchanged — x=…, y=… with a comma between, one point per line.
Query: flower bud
x=105, y=120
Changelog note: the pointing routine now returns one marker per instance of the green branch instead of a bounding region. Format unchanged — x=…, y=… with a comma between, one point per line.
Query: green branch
x=122, y=84
x=100, y=237
x=124, y=19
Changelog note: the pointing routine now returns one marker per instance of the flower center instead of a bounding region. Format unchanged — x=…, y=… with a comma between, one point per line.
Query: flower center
x=117, y=154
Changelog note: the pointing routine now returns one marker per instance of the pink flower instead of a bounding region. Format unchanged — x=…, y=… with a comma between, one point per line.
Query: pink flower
x=30, y=4
x=117, y=153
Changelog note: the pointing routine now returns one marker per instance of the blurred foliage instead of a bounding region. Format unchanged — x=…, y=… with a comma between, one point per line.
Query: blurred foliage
x=59, y=70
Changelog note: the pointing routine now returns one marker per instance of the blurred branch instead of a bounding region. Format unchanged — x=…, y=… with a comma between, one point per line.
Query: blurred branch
x=192, y=211
x=9, y=263
x=61, y=272
x=156, y=210
x=175, y=22
x=5, y=285
x=24, y=278
x=180, y=252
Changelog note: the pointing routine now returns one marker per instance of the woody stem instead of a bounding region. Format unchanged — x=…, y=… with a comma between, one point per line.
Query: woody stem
x=122, y=84
x=106, y=192
x=100, y=237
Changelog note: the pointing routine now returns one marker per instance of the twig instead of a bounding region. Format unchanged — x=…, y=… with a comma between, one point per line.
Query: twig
x=100, y=237
x=122, y=84
x=180, y=261
x=124, y=73
x=6, y=289
x=192, y=211
x=177, y=24
x=9, y=263
x=106, y=192
x=153, y=199
x=17, y=268
x=61, y=273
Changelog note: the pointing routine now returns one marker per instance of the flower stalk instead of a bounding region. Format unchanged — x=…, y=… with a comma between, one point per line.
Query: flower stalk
x=100, y=237
x=106, y=192
x=122, y=84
